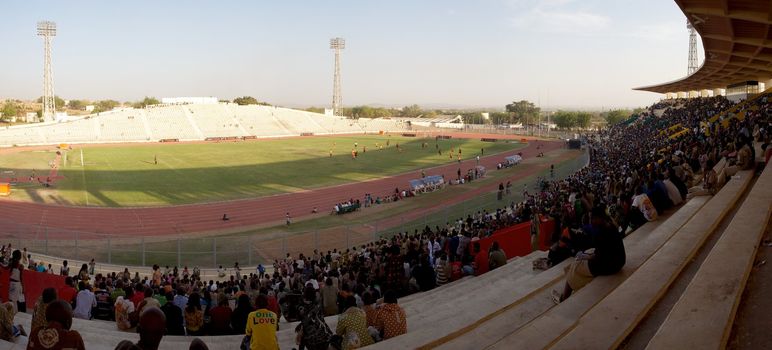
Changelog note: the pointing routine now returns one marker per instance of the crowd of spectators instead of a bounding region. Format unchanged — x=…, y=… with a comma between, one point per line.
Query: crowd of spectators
x=635, y=173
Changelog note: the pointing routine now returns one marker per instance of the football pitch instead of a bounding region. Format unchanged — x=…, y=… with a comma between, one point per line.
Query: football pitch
x=168, y=174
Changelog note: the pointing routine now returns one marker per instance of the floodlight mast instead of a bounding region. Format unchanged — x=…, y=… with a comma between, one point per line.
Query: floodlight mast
x=47, y=30
x=337, y=44
x=692, y=67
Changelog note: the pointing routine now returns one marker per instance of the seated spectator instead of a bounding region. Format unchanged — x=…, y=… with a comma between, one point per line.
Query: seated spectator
x=194, y=316
x=104, y=307
x=123, y=310
x=313, y=330
x=174, y=321
x=56, y=334
x=496, y=256
x=151, y=327
x=9, y=331
x=606, y=258
x=220, y=317
x=352, y=326
x=84, y=302
x=709, y=183
x=39, y=314
x=67, y=292
x=329, y=294
x=262, y=325
x=198, y=344
x=645, y=209
x=240, y=314
x=148, y=301
x=390, y=320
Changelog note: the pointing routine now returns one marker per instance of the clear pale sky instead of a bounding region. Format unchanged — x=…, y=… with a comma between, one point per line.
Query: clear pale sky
x=559, y=53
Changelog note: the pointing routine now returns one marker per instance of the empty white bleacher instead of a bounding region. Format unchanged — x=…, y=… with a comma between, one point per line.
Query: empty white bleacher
x=213, y=120
x=125, y=126
x=192, y=122
x=170, y=123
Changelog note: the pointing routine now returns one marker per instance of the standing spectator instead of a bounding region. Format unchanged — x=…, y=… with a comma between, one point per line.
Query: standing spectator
x=15, y=291
x=92, y=267
x=56, y=334
x=84, y=302
x=261, y=326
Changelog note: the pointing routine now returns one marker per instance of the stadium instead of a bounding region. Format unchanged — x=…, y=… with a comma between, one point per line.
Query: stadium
x=191, y=221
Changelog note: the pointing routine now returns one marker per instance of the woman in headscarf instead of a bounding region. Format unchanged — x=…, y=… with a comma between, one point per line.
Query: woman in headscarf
x=352, y=326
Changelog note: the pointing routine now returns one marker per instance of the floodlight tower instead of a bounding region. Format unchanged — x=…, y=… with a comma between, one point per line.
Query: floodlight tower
x=692, y=48
x=47, y=30
x=337, y=44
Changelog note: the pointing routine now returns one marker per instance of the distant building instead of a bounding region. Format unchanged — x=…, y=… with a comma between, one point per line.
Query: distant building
x=31, y=117
x=189, y=100
x=90, y=108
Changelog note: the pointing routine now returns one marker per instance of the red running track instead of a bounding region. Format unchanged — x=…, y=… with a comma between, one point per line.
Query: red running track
x=170, y=220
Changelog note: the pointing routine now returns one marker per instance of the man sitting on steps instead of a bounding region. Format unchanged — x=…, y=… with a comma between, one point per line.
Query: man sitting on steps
x=606, y=258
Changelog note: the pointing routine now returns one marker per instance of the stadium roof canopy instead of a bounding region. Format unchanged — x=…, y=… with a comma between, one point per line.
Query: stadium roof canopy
x=737, y=39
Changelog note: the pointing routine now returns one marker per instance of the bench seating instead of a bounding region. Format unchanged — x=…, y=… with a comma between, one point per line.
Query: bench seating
x=542, y=331
x=419, y=306
x=703, y=316
x=495, y=328
x=628, y=303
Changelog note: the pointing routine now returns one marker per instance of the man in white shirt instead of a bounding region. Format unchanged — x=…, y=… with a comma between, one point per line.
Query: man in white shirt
x=84, y=302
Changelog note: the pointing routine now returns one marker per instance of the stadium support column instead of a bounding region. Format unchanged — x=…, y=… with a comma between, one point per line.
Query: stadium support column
x=717, y=92
x=337, y=44
x=768, y=84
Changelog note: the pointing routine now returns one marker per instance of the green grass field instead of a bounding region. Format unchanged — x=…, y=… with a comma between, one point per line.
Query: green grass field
x=194, y=173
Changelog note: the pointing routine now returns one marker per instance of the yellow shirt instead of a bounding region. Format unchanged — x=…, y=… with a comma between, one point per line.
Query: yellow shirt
x=261, y=326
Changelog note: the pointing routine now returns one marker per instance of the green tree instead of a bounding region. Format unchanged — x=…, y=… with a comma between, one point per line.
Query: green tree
x=57, y=100
x=245, y=100
x=616, y=116
x=564, y=119
x=500, y=117
x=523, y=111
x=147, y=101
x=105, y=105
x=77, y=104
x=583, y=119
x=9, y=110
x=412, y=111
